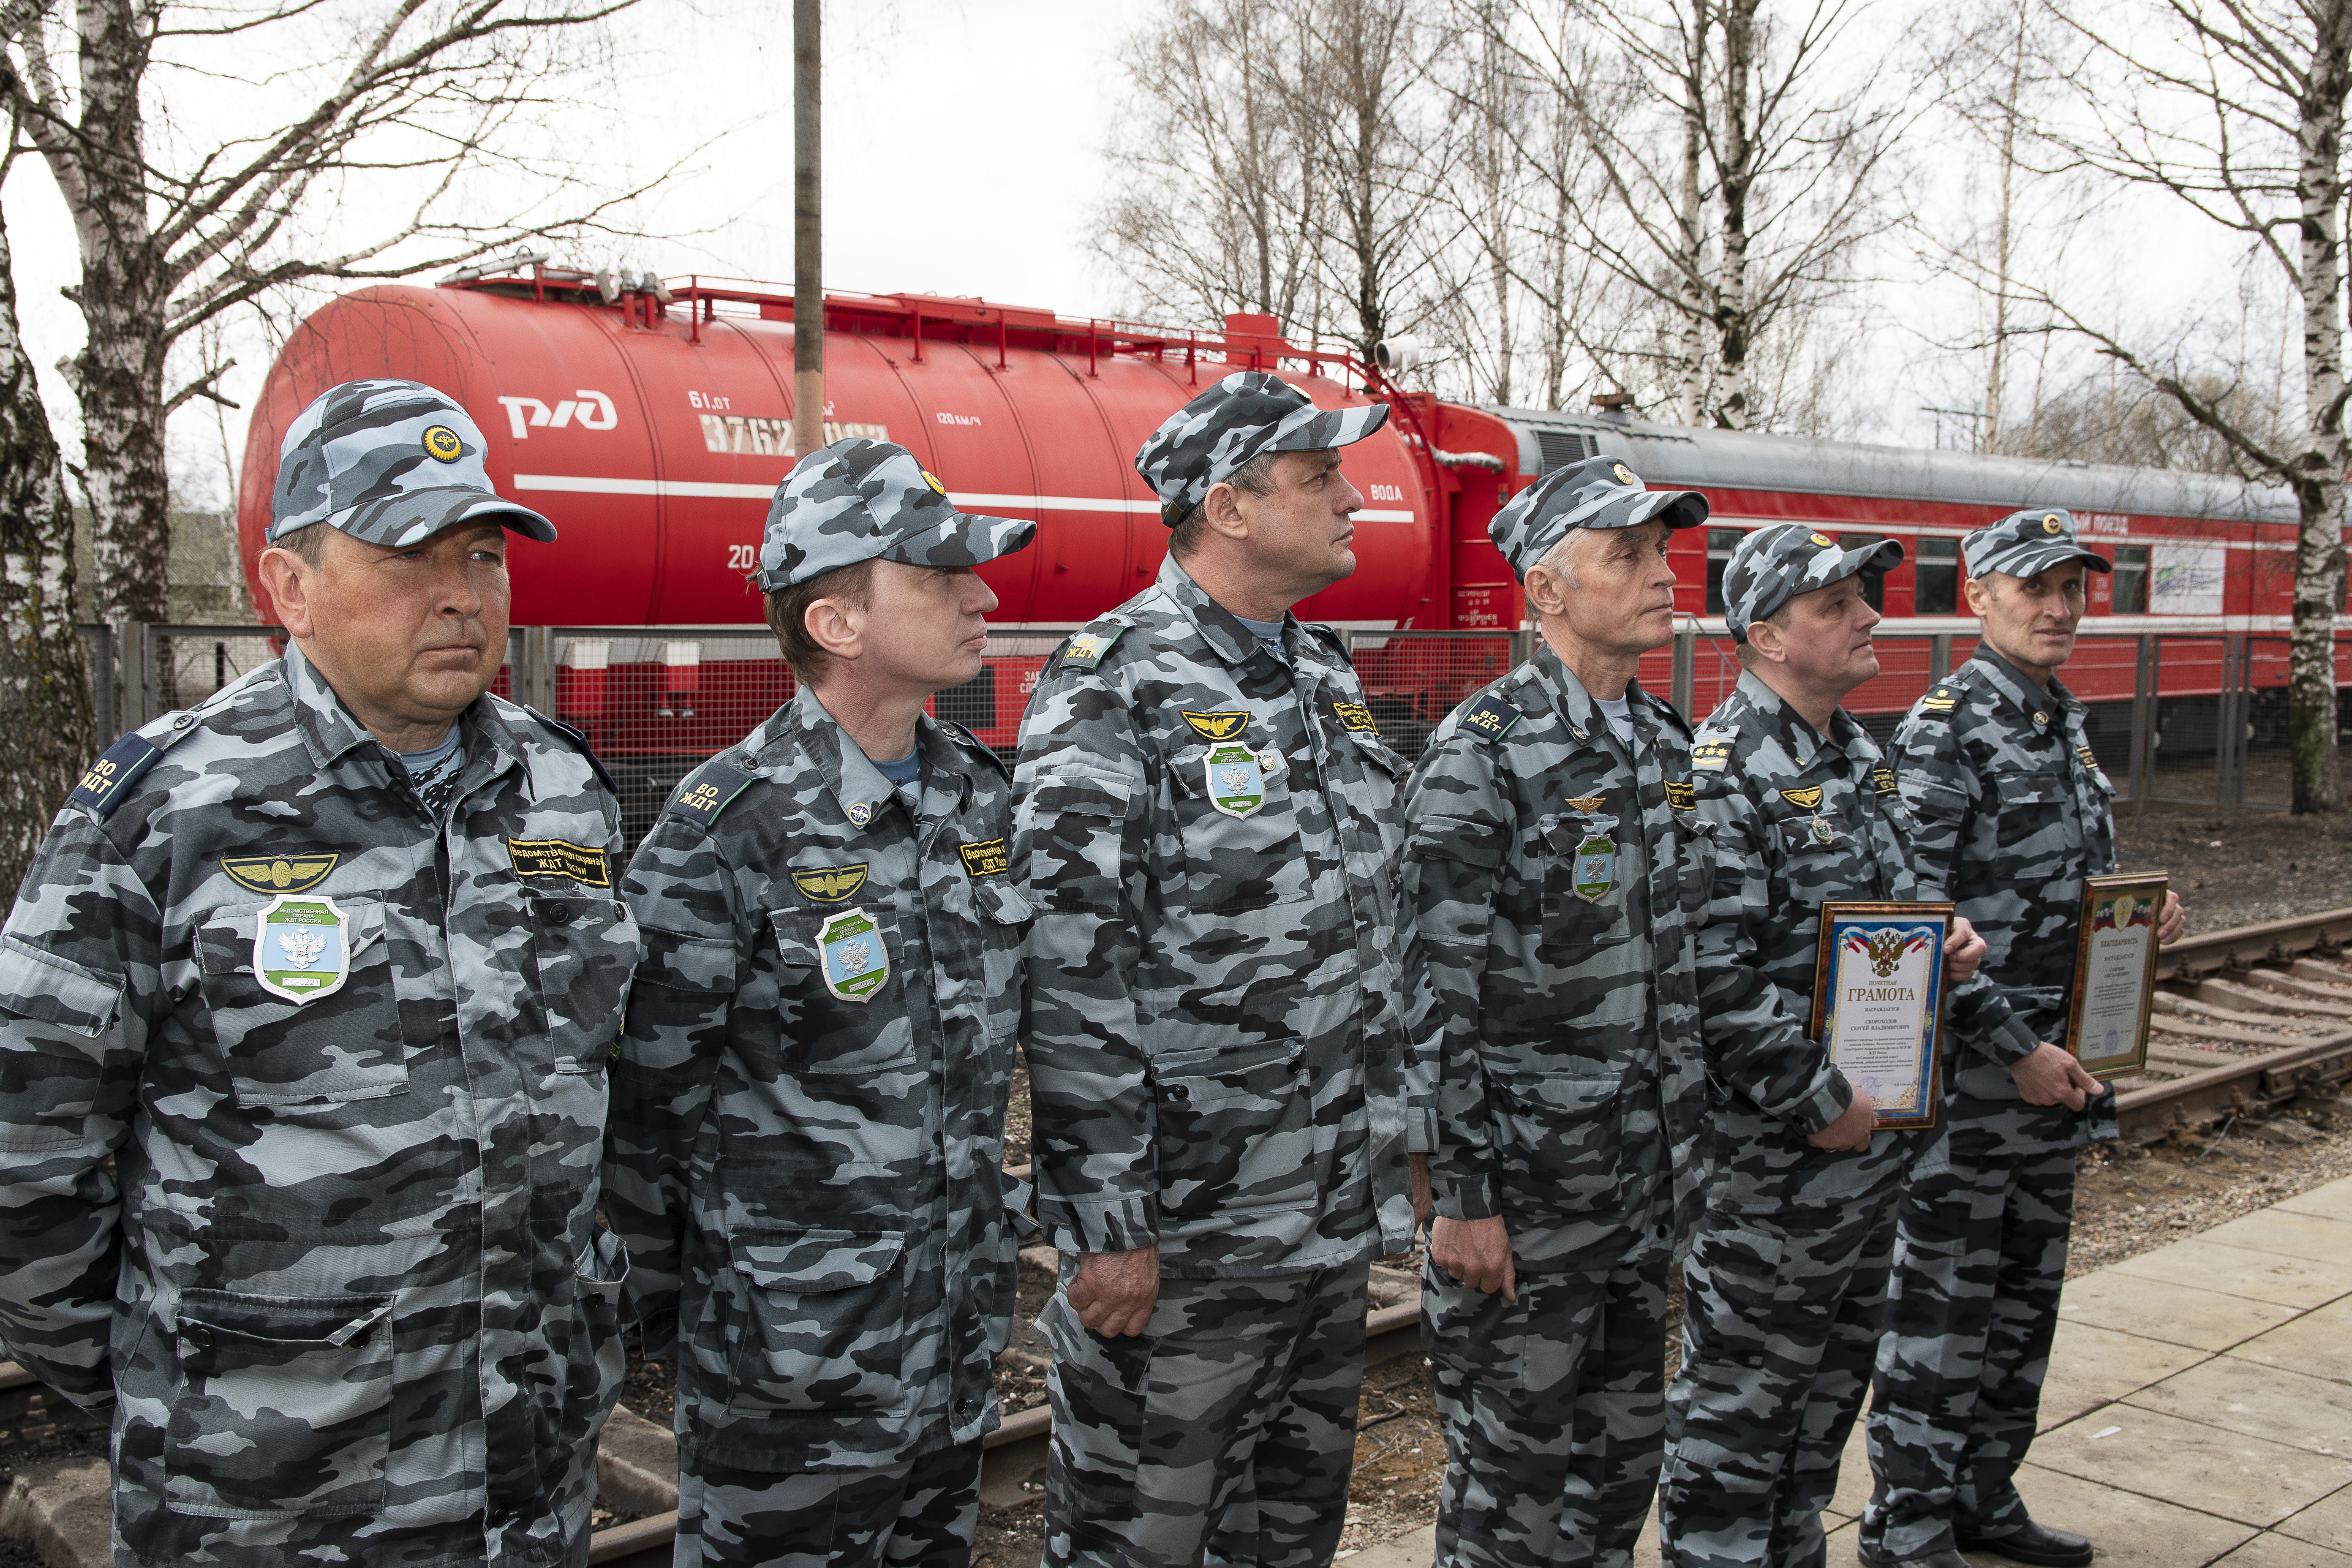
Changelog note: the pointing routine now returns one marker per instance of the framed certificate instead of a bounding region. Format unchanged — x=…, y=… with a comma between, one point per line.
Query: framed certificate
x=1878, y=1002
x=2115, y=973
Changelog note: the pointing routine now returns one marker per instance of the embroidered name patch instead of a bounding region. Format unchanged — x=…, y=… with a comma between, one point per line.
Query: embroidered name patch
x=831, y=884
x=1355, y=716
x=985, y=859
x=1681, y=794
x=1882, y=780
x=1711, y=756
x=278, y=873
x=1217, y=726
x=557, y=858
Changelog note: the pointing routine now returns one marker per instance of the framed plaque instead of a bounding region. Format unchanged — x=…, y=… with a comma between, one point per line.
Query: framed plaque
x=2115, y=973
x=1878, y=1002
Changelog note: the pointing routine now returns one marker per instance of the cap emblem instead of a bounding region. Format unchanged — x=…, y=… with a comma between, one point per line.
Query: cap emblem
x=1824, y=539
x=442, y=443
x=932, y=480
x=1624, y=475
x=2051, y=524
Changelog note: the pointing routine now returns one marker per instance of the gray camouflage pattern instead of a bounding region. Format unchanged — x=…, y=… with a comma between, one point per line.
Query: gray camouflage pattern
x=1552, y=1413
x=1787, y=1275
x=861, y=499
x=1223, y=1434
x=1599, y=492
x=2012, y=815
x=1249, y=412
x=1226, y=1055
x=920, y=1513
x=1572, y=1100
x=341, y=1290
x=1773, y=566
x=2027, y=544
x=810, y=1183
x=391, y=462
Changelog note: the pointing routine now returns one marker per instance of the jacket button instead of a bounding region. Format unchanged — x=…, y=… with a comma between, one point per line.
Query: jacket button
x=557, y=911
x=197, y=1336
x=1178, y=1091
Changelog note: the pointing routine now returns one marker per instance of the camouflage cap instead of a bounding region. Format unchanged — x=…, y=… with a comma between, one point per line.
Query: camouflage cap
x=391, y=462
x=2027, y=544
x=1249, y=412
x=1773, y=566
x=861, y=499
x=1599, y=492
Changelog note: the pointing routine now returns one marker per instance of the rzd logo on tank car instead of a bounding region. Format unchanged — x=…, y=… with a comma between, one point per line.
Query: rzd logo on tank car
x=589, y=410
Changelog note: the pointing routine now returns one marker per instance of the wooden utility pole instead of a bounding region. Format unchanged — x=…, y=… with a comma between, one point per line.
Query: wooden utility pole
x=808, y=238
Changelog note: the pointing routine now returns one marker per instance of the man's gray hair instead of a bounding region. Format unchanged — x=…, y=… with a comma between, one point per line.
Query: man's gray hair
x=1256, y=476
x=1560, y=560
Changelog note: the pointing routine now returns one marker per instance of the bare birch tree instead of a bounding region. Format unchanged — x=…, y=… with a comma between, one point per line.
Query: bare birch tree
x=397, y=107
x=2236, y=108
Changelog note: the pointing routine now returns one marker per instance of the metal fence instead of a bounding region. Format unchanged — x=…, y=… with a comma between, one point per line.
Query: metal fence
x=2197, y=718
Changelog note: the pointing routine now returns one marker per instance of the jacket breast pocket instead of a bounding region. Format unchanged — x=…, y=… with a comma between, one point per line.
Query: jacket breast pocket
x=585, y=945
x=319, y=1024
x=842, y=989
x=283, y=1408
x=1585, y=869
x=820, y=1327
x=2029, y=803
x=1561, y=1138
x=1004, y=916
x=1235, y=1129
x=1239, y=825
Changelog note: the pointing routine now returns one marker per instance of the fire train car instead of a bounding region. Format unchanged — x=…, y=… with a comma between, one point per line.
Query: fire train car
x=652, y=421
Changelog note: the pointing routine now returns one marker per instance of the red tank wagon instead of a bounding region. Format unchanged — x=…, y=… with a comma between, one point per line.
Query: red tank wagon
x=652, y=425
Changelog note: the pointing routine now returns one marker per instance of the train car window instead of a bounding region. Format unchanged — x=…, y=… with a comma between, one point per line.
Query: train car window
x=1720, y=544
x=1874, y=584
x=1558, y=449
x=2130, y=579
x=1935, y=581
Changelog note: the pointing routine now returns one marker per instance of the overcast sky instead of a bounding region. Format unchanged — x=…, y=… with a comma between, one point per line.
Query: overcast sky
x=964, y=155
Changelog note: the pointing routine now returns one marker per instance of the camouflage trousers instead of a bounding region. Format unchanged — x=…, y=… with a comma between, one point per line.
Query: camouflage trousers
x=921, y=1512
x=1221, y=1434
x=1553, y=1411
x=1981, y=1254
x=1780, y=1323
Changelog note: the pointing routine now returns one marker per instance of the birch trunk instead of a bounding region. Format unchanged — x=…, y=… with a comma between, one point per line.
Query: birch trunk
x=1734, y=327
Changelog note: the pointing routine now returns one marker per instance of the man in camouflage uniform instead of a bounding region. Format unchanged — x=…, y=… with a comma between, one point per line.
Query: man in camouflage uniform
x=1787, y=1277
x=1223, y=1062
x=809, y=1129
x=1550, y=875
x=304, y=1016
x=2010, y=810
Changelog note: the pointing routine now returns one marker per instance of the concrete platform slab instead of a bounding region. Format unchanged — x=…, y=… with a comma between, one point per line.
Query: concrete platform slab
x=2158, y=1309
x=2334, y=1200
x=2322, y=1239
x=2129, y=1531
x=2091, y=1366
x=2260, y=1401
x=2318, y=1343
x=2269, y=1551
x=2328, y=1521
x=2263, y=1277
x=1414, y=1550
x=2162, y=1458
x=1853, y=1476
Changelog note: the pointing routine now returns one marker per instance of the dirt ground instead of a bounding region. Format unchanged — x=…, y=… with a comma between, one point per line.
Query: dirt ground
x=2257, y=865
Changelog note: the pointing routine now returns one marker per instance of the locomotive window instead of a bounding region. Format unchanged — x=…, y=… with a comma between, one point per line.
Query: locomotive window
x=1936, y=582
x=1720, y=544
x=2131, y=580
x=1874, y=584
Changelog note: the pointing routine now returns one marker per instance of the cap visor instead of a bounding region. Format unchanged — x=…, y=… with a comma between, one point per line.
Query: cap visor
x=965, y=539
x=413, y=517
x=1321, y=429
x=1675, y=509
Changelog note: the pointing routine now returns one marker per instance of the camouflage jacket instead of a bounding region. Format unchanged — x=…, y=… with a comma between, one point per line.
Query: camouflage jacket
x=1221, y=1055
x=2012, y=813
x=1766, y=779
x=809, y=1117
x=342, y=1285
x=1553, y=886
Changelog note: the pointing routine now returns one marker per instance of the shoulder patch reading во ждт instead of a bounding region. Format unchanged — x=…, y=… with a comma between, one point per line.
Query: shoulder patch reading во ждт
x=1490, y=716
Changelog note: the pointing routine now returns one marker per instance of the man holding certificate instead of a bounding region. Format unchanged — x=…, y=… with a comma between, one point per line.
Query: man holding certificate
x=1549, y=877
x=2011, y=813
x=1786, y=1280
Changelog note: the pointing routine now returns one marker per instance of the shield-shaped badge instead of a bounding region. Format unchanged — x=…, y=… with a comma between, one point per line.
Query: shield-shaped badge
x=852, y=954
x=1596, y=868
x=301, y=948
x=1236, y=780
